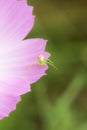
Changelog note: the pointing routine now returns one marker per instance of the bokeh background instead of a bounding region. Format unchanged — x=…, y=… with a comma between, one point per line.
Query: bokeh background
x=57, y=101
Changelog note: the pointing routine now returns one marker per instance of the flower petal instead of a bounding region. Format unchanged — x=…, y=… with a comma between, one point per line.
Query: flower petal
x=18, y=61
x=7, y=104
x=35, y=72
x=16, y=20
x=13, y=85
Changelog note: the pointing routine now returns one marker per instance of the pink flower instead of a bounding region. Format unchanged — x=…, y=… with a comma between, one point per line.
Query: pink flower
x=17, y=56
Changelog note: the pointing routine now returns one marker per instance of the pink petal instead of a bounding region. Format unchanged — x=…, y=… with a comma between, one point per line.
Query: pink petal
x=35, y=72
x=17, y=60
x=14, y=85
x=7, y=104
x=16, y=20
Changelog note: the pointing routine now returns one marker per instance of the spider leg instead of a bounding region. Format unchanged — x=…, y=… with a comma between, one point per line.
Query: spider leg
x=51, y=64
x=50, y=61
x=34, y=63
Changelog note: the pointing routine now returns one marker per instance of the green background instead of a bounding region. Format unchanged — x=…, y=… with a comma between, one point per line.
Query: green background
x=57, y=101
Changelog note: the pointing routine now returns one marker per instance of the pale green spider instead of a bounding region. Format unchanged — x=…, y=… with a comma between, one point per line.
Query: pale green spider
x=42, y=61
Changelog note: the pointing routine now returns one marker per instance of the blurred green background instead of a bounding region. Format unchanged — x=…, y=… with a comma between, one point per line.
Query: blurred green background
x=57, y=101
